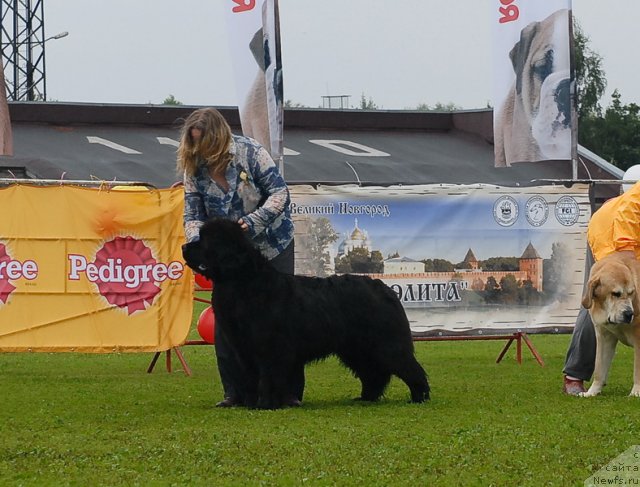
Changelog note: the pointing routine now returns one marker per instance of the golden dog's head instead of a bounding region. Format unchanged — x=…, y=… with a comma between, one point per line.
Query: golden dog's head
x=611, y=294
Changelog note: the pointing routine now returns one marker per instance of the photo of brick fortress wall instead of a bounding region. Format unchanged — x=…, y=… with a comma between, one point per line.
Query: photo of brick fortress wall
x=530, y=263
x=530, y=269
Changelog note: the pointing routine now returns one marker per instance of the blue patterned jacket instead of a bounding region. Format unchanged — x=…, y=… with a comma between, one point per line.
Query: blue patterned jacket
x=257, y=193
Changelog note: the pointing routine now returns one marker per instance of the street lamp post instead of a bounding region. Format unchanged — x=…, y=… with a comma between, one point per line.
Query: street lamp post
x=33, y=67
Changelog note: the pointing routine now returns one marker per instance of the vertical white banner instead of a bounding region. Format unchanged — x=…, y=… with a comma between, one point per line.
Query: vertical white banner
x=254, y=35
x=534, y=115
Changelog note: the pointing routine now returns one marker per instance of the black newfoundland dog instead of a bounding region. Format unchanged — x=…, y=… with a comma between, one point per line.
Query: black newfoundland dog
x=278, y=322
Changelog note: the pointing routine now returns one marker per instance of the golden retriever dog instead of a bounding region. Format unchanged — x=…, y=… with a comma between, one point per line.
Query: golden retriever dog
x=613, y=303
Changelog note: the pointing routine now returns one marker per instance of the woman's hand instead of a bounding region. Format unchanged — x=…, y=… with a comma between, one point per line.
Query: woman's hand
x=243, y=225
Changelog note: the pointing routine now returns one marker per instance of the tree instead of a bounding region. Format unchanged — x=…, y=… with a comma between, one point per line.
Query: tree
x=377, y=262
x=590, y=77
x=360, y=261
x=367, y=104
x=501, y=264
x=321, y=236
x=509, y=288
x=293, y=104
x=556, y=277
x=491, y=290
x=616, y=135
x=437, y=265
x=527, y=294
x=438, y=107
x=171, y=100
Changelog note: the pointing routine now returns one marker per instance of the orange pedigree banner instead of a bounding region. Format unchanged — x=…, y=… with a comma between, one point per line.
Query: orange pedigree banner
x=92, y=270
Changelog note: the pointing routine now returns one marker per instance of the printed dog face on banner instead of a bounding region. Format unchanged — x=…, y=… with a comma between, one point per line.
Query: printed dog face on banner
x=534, y=122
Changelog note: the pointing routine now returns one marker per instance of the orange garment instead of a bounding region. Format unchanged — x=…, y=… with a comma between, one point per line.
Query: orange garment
x=616, y=225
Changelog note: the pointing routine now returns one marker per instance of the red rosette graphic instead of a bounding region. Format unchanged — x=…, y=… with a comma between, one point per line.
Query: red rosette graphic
x=130, y=285
x=6, y=287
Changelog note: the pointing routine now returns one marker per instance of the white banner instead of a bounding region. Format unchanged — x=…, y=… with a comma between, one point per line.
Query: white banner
x=254, y=35
x=534, y=113
x=462, y=259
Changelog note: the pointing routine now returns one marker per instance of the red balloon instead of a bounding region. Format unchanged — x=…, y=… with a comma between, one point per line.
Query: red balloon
x=203, y=282
x=207, y=325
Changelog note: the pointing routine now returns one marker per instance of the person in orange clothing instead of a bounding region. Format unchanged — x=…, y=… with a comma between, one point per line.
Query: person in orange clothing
x=615, y=227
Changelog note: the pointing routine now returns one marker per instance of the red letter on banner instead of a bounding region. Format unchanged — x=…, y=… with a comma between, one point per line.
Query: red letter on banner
x=509, y=13
x=243, y=5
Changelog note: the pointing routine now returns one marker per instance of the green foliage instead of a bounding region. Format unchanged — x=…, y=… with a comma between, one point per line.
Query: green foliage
x=529, y=295
x=367, y=104
x=491, y=290
x=509, y=289
x=590, y=76
x=360, y=261
x=501, y=264
x=377, y=261
x=438, y=107
x=80, y=419
x=555, y=275
x=616, y=135
x=171, y=100
x=321, y=236
x=438, y=265
x=293, y=104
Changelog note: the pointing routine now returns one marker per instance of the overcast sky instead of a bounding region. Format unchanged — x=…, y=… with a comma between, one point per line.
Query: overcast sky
x=399, y=53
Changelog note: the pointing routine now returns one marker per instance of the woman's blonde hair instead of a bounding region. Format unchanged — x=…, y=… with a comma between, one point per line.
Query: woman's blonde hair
x=214, y=144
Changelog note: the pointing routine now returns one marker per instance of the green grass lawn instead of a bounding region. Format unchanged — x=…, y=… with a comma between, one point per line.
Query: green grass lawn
x=76, y=419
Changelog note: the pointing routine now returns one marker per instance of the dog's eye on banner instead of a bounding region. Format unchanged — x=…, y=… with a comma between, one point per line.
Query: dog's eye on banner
x=534, y=107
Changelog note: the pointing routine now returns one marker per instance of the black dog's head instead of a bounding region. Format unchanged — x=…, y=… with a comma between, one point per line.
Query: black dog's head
x=223, y=251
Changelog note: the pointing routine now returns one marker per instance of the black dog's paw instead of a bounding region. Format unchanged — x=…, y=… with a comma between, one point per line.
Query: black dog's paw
x=292, y=402
x=366, y=399
x=269, y=403
x=278, y=402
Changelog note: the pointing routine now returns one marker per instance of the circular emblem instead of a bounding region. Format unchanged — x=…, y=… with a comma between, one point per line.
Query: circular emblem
x=536, y=211
x=505, y=211
x=567, y=211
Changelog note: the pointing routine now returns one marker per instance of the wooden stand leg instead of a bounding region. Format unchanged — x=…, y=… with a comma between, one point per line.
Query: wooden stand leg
x=533, y=349
x=153, y=362
x=183, y=362
x=518, y=338
x=504, y=350
x=168, y=360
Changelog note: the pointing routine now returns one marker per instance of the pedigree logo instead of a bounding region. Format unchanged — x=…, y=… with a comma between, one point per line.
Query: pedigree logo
x=11, y=270
x=125, y=272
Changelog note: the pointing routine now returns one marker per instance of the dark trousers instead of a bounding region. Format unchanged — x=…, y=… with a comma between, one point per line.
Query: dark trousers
x=581, y=355
x=232, y=373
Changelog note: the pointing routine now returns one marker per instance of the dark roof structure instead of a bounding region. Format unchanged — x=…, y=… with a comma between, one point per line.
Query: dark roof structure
x=77, y=141
x=470, y=257
x=530, y=252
